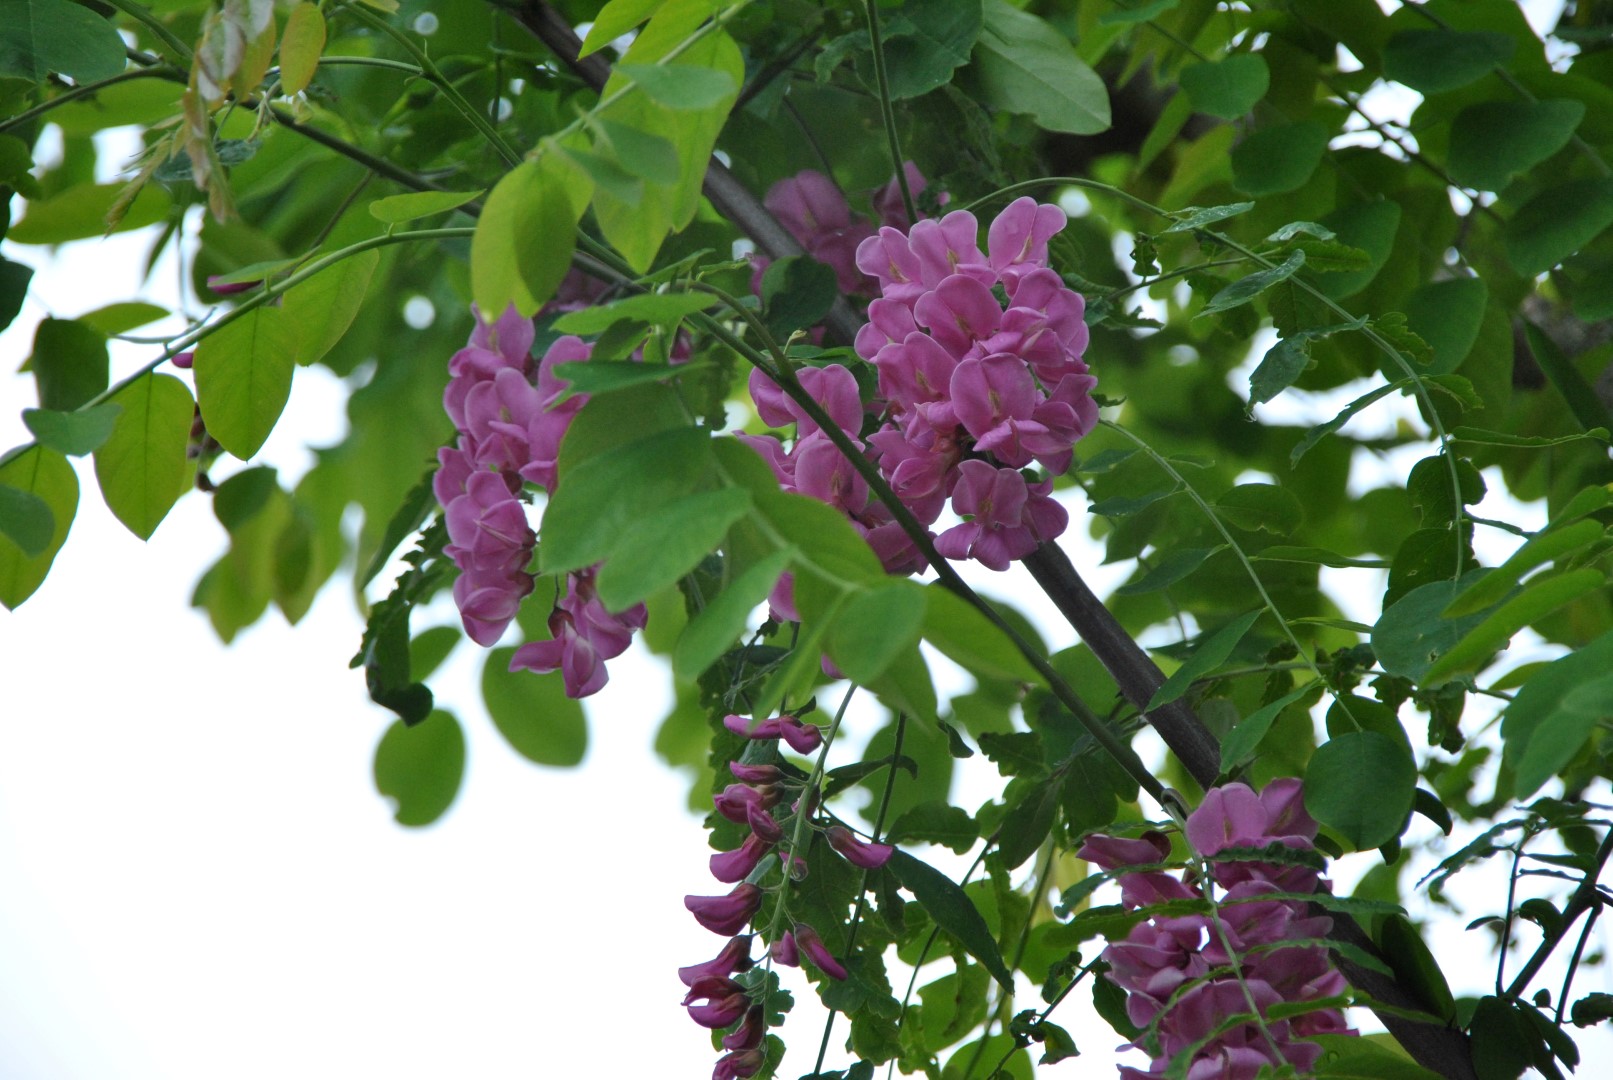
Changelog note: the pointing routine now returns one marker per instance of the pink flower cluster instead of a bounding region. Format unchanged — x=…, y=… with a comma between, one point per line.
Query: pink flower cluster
x=510, y=419
x=980, y=369
x=1185, y=975
x=715, y=999
x=814, y=211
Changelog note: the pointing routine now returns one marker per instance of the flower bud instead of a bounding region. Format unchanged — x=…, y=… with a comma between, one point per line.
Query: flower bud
x=725, y=1001
x=735, y=956
x=736, y=865
x=808, y=941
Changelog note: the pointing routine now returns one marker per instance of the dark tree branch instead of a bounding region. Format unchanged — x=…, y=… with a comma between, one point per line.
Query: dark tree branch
x=1443, y=1049
x=731, y=198
x=1133, y=671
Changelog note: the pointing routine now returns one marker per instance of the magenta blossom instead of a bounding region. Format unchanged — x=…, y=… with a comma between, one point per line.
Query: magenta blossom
x=726, y=915
x=725, y=1001
x=735, y=956
x=858, y=852
x=808, y=941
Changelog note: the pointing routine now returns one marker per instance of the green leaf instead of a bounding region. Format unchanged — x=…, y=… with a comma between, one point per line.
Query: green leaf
x=1493, y=141
x=429, y=648
x=420, y=768
x=1263, y=507
x=26, y=519
x=46, y=475
x=965, y=636
x=1247, y=288
x=602, y=498
x=412, y=205
x=1410, y=635
x=533, y=713
x=1026, y=66
x=526, y=234
x=683, y=87
x=70, y=363
x=1504, y=1042
x=1197, y=217
x=1576, y=390
x=1279, y=159
x=73, y=433
x=1127, y=13
x=667, y=543
x=615, y=19
x=657, y=309
x=80, y=213
x=715, y=630
x=608, y=175
x=243, y=378
x=1328, y=427
x=121, y=318
x=1227, y=88
x=1211, y=653
x=642, y=154
x=936, y=822
x=1361, y=785
x=39, y=37
x=1561, y=705
x=606, y=376
x=1538, y=599
x=1351, y=1057
x=1126, y=505
x=1287, y=360
x=925, y=41
x=419, y=504
x=1315, y=556
x=1370, y=226
x=952, y=911
x=1028, y=822
x=797, y=292
x=1243, y=740
x=1447, y=315
x=14, y=279
x=1558, y=222
x=1171, y=568
x=1434, y=61
x=637, y=231
x=875, y=627
x=320, y=310
x=1536, y=551
x=300, y=47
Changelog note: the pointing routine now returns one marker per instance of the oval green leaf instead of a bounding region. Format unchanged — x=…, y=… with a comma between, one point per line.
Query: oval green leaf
x=320, y=310
x=142, y=468
x=533, y=713
x=420, y=768
x=243, y=378
x=1361, y=785
x=46, y=475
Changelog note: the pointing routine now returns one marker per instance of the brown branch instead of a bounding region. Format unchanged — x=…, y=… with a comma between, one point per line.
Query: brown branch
x=1132, y=670
x=731, y=198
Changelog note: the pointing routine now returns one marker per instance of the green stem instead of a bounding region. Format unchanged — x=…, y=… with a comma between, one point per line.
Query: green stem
x=89, y=89
x=449, y=91
x=885, y=108
x=862, y=891
x=269, y=292
x=144, y=15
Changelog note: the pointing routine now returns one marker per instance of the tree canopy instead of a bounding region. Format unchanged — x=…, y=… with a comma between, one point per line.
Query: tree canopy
x=731, y=330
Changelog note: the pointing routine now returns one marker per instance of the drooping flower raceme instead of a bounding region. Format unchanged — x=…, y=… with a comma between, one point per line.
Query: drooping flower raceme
x=511, y=415
x=1185, y=975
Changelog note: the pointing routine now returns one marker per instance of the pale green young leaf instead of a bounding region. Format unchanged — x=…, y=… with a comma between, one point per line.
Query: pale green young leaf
x=1538, y=599
x=615, y=19
x=320, y=310
x=412, y=205
x=719, y=624
x=300, y=47
x=142, y=468
x=243, y=378
x=526, y=234
x=665, y=544
x=875, y=627
x=80, y=213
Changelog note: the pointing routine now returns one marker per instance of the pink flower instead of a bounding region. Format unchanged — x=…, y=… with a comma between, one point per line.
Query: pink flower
x=725, y=1001
x=736, y=865
x=735, y=956
x=1017, y=239
x=808, y=941
x=726, y=915
x=858, y=852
